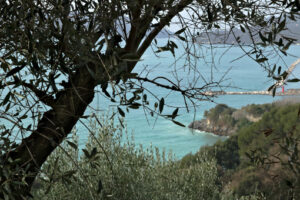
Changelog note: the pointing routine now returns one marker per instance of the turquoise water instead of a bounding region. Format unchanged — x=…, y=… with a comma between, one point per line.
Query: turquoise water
x=243, y=74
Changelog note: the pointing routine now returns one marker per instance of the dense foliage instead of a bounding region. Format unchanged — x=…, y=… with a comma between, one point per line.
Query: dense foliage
x=220, y=113
x=263, y=156
x=274, y=124
x=111, y=167
x=227, y=170
x=129, y=173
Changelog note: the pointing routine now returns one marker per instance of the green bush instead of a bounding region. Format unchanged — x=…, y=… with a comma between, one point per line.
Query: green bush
x=257, y=110
x=278, y=121
x=215, y=113
x=111, y=167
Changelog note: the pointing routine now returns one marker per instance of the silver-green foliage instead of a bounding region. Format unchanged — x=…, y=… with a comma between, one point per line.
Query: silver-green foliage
x=112, y=167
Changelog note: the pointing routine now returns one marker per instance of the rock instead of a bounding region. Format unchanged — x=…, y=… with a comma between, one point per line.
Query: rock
x=196, y=124
x=210, y=127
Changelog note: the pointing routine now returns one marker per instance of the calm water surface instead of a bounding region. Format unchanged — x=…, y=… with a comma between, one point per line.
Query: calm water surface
x=243, y=74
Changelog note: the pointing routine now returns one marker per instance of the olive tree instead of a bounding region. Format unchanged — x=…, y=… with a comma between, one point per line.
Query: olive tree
x=56, y=54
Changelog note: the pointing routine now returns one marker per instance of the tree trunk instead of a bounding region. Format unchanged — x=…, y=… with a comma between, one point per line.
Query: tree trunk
x=55, y=125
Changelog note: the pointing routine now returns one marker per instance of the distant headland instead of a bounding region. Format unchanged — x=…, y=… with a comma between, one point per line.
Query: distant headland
x=230, y=36
x=225, y=121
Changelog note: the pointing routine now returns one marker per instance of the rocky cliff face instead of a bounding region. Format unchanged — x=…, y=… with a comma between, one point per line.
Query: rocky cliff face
x=211, y=127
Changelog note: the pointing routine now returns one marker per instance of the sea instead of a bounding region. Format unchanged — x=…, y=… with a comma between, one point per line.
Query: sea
x=226, y=64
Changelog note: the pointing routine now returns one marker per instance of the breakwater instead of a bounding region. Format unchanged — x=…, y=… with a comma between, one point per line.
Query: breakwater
x=289, y=92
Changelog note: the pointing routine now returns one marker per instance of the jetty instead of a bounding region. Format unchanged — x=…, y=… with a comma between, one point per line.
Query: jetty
x=278, y=84
x=290, y=92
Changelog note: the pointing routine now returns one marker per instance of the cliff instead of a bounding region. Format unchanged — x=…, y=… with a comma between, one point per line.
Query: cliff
x=207, y=126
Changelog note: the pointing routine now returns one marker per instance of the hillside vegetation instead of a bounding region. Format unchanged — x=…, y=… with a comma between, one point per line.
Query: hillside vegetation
x=111, y=167
x=260, y=161
x=128, y=172
x=262, y=156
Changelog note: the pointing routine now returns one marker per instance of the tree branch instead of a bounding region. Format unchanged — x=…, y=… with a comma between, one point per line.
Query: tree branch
x=43, y=96
x=189, y=93
x=163, y=22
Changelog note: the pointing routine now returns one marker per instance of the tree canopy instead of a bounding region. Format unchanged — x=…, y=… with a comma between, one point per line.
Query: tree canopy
x=55, y=55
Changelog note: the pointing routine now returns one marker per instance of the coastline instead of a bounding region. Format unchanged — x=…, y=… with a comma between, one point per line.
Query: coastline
x=223, y=120
x=209, y=133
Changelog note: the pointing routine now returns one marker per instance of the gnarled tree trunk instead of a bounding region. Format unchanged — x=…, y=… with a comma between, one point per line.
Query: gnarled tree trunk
x=69, y=105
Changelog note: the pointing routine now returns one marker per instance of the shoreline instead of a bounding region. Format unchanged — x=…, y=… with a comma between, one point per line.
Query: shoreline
x=223, y=120
x=209, y=133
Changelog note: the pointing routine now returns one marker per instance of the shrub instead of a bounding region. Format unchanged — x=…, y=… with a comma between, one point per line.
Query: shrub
x=112, y=167
x=277, y=122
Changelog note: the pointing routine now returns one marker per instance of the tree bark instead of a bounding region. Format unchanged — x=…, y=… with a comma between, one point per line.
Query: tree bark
x=55, y=125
